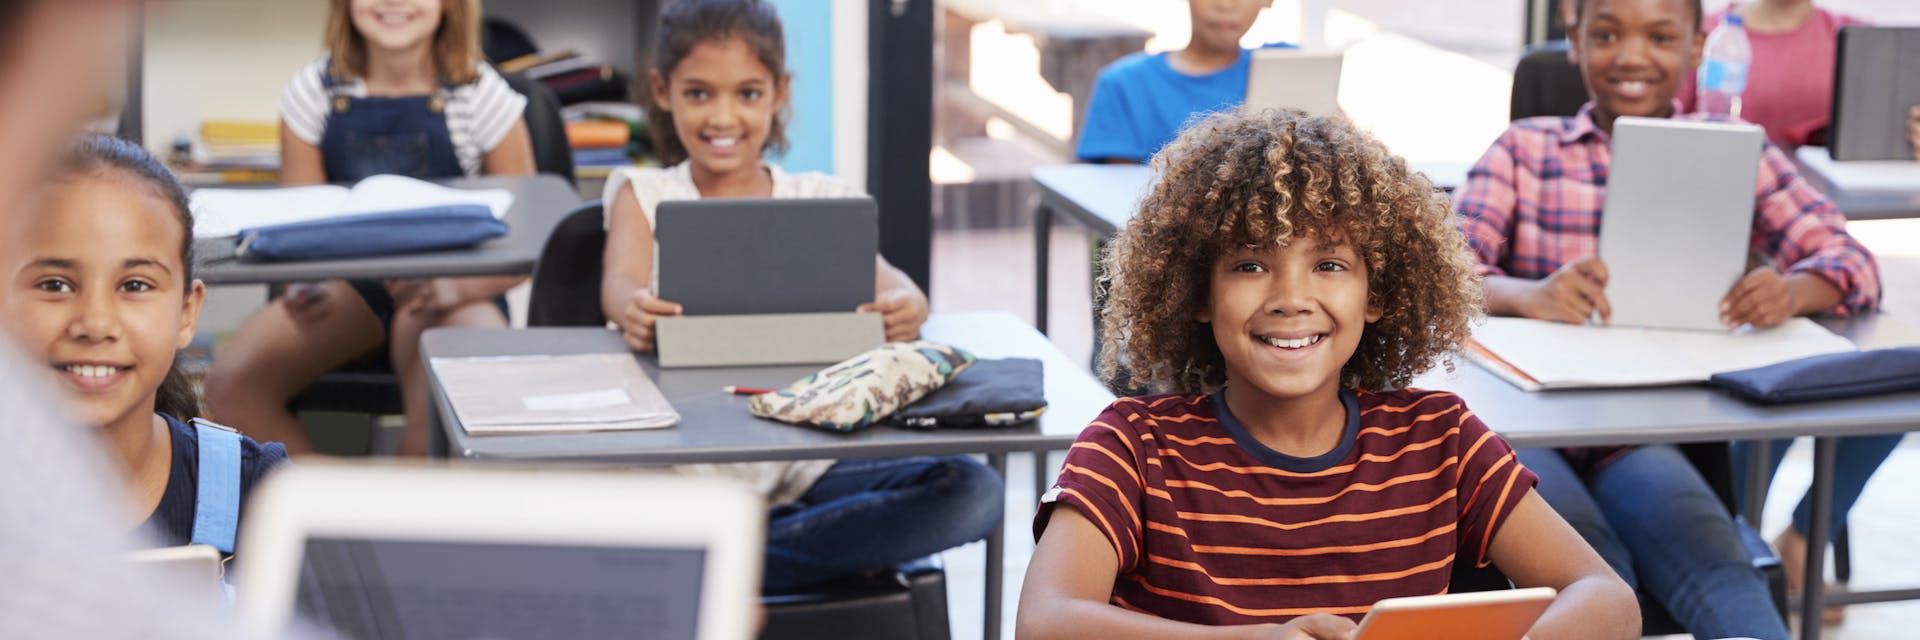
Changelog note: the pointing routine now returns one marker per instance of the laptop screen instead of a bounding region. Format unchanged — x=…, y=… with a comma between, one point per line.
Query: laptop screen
x=380, y=589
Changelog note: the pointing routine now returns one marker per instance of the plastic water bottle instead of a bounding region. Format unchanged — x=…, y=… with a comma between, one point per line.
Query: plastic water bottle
x=1723, y=68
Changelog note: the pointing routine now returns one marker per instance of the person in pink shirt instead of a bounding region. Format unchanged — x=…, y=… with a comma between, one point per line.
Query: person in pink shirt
x=1790, y=85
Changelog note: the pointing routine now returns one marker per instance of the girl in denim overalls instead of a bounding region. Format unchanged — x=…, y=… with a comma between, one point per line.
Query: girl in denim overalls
x=402, y=91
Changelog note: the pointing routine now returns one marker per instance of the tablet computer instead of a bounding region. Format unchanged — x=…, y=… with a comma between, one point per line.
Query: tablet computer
x=731, y=256
x=1481, y=615
x=377, y=551
x=1677, y=219
x=195, y=565
x=1874, y=82
x=1295, y=79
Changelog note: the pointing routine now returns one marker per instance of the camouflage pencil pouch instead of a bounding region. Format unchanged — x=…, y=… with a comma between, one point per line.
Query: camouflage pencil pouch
x=864, y=389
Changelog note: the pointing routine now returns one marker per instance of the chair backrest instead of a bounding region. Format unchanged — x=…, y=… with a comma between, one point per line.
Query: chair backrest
x=566, y=281
x=1546, y=83
x=551, y=153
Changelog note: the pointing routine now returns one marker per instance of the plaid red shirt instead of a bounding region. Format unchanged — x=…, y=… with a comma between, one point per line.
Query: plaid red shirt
x=1533, y=203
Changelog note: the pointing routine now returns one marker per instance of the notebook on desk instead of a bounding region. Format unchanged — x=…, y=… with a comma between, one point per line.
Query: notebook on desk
x=1677, y=219
x=1540, y=355
x=385, y=551
x=220, y=213
x=545, y=394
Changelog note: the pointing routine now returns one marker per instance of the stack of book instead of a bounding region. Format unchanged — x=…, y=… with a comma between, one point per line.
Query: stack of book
x=572, y=77
x=599, y=143
x=229, y=151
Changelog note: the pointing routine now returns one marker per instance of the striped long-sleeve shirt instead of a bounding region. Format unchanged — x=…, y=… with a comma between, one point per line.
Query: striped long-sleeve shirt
x=1212, y=527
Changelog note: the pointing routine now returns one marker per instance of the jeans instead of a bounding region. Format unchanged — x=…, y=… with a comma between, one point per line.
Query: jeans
x=1656, y=522
x=872, y=514
x=1854, y=460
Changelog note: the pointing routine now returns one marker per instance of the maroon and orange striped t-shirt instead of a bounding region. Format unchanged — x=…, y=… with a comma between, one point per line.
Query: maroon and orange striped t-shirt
x=1213, y=527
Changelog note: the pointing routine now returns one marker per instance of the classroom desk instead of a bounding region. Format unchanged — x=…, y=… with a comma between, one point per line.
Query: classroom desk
x=1696, y=413
x=1102, y=197
x=716, y=427
x=1862, y=204
x=539, y=202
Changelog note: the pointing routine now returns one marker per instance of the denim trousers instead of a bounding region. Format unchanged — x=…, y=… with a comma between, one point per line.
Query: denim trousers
x=1661, y=527
x=1854, y=460
x=872, y=514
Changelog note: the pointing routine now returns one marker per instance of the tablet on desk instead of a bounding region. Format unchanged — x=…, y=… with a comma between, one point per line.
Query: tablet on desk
x=733, y=256
x=1482, y=615
x=379, y=551
x=1677, y=220
x=1295, y=79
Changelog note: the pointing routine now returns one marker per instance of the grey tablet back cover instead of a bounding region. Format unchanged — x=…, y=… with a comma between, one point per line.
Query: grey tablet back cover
x=1678, y=215
x=1876, y=78
x=757, y=255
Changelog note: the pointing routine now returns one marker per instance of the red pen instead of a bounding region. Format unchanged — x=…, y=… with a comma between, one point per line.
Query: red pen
x=744, y=391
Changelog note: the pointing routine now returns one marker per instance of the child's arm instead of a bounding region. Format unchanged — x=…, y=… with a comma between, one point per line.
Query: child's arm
x=1802, y=231
x=626, y=274
x=513, y=156
x=1535, y=548
x=1573, y=293
x=1070, y=579
x=902, y=305
x=300, y=161
x=1764, y=298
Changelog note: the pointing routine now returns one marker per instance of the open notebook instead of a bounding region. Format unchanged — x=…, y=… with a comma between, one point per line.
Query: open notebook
x=220, y=213
x=537, y=394
x=1536, y=354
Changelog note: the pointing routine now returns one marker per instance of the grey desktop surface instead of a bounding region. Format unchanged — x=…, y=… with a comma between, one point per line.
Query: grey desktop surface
x=539, y=203
x=1860, y=204
x=726, y=256
x=717, y=427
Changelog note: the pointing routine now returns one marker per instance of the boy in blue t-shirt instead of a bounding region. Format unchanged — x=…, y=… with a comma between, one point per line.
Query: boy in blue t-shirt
x=1141, y=102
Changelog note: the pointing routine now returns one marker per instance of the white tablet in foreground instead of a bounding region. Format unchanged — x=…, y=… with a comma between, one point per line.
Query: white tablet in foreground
x=391, y=551
x=1481, y=615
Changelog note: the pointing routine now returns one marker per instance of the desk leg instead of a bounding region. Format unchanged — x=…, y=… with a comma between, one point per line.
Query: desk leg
x=1042, y=238
x=1042, y=475
x=996, y=561
x=437, y=445
x=1821, y=497
x=1757, y=481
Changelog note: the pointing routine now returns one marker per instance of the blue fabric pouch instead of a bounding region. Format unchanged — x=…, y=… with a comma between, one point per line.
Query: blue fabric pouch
x=384, y=233
x=1826, y=377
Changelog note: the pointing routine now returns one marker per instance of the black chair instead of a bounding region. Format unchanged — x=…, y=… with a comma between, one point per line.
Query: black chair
x=551, y=153
x=1545, y=83
x=909, y=603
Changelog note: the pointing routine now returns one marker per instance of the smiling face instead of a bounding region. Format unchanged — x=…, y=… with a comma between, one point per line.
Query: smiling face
x=98, y=286
x=724, y=101
x=397, y=25
x=1633, y=55
x=1288, y=317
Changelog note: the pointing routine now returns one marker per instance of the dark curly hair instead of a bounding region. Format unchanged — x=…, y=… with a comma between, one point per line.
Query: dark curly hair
x=1235, y=180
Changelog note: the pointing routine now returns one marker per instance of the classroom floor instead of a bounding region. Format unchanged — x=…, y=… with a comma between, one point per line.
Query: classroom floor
x=991, y=269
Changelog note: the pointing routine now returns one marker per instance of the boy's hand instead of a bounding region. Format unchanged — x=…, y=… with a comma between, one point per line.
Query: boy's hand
x=636, y=321
x=902, y=311
x=1319, y=626
x=428, y=295
x=1761, y=299
x=1572, y=294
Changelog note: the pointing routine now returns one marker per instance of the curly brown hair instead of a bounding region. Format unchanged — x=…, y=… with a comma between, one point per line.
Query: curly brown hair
x=1237, y=180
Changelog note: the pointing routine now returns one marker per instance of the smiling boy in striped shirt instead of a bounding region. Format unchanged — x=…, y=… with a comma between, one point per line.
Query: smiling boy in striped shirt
x=1284, y=279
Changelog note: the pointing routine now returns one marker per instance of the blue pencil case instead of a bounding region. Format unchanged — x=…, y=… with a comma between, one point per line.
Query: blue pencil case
x=384, y=233
x=1832, y=376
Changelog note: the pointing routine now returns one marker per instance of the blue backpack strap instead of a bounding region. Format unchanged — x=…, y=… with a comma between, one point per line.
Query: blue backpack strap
x=216, y=507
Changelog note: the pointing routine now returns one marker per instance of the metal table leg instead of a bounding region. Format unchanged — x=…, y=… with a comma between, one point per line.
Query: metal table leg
x=996, y=561
x=1821, y=497
x=1042, y=238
